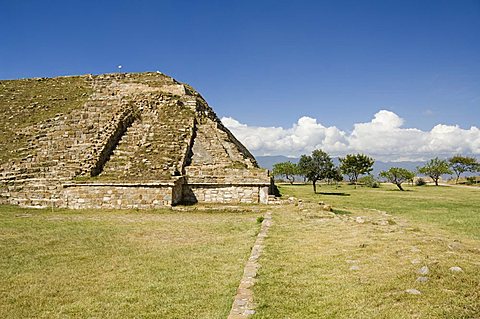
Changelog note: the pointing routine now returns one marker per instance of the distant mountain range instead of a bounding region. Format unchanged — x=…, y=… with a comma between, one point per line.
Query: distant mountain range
x=268, y=161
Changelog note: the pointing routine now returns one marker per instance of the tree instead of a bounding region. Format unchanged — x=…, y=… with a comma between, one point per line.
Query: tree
x=460, y=164
x=397, y=176
x=435, y=168
x=286, y=169
x=335, y=175
x=354, y=165
x=316, y=167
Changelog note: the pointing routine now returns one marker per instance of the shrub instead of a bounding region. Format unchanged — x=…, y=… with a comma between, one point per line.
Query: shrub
x=420, y=182
x=369, y=181
x=470, y=180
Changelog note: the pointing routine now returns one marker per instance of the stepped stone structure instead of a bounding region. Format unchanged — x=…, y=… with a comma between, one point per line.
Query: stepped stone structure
x=140, y=140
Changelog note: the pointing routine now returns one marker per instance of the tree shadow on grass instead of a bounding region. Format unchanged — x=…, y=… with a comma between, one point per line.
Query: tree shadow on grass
x=341, y=212
x=333, y=193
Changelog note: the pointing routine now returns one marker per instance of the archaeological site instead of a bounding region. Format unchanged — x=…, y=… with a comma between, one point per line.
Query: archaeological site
x=118, y=141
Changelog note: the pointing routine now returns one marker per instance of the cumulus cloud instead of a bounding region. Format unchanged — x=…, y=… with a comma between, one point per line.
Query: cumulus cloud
x=384, y=138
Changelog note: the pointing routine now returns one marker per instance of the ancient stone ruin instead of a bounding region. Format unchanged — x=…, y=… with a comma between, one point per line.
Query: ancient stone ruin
x=138, y=140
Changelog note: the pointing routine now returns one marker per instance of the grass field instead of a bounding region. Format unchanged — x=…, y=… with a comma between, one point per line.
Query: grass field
x=452, y=208
x=357, y=262
x=360, y=262
x=117, y=264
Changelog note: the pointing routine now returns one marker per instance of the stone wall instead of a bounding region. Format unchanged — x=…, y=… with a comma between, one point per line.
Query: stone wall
x=218, y=193
x=122, y=196
x=209, y=174
x=31, y=192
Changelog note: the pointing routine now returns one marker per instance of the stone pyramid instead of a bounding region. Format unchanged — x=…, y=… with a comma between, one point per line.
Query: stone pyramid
x=135, y=140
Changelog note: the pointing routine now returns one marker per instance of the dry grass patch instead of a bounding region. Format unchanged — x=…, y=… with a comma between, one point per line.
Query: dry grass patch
x=155, y=264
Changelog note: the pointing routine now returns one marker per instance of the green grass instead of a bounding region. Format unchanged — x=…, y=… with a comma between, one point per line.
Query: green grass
x=306, y=267
x=451, y=208
x=118, y=264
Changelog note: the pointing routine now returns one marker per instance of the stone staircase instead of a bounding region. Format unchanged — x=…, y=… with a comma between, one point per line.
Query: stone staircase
x=215, y=157
x=123, y=156
x=146, y=151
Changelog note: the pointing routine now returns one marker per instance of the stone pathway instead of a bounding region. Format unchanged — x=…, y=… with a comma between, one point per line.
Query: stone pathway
x=243, y=306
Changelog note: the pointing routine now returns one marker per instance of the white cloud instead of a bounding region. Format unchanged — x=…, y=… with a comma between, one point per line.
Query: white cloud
x=383, y=138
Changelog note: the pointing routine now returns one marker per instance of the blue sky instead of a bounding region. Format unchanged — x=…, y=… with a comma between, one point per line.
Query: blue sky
x=268, y=63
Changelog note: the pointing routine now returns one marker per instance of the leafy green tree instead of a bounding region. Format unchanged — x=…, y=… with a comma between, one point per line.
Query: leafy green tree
x=435, y=168
x=354, y=165
x=460, y=164
x=316, y=167
x=397, y=175
x=286, y=169
x=335, y=175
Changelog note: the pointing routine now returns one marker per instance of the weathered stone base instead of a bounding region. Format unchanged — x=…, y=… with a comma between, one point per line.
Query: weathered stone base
x=32, y=192
x=143, y=195
x=122, y=196
x=227, y=193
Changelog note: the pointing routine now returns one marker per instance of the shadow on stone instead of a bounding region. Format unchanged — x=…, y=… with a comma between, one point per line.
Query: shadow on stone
x=188, y=196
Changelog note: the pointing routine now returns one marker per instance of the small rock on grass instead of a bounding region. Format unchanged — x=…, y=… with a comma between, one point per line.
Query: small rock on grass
x=423, y=271
x=413, y=292
x=354, y=268
x=456, y=269
x=327, y=208
x=422, y=279
x=380, y=222
x=455, y=245
x=360, y=220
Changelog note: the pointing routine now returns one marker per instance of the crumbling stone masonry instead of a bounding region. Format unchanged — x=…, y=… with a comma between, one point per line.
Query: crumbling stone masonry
x=138, y=140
